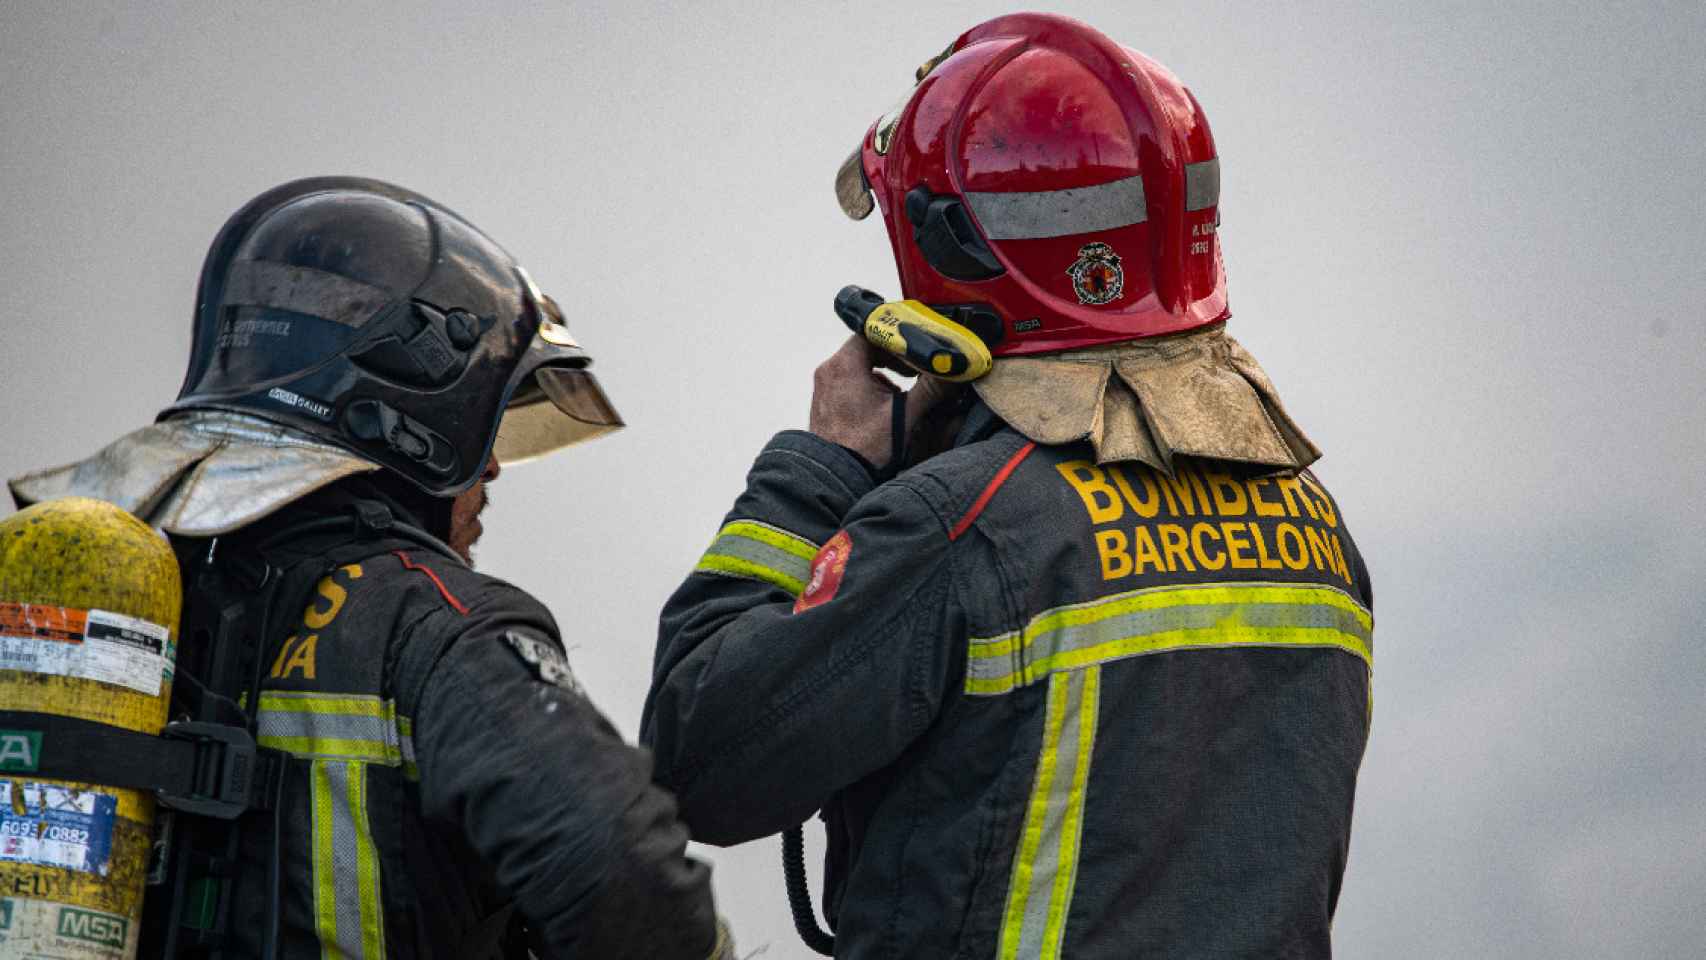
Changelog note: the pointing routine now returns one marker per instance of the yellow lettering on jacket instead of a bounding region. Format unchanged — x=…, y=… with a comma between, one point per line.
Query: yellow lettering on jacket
x=1147, y=507
x=1111, y=547
x=1262, y=559
x=1320, y=550
x=1145, y=551
x=1112, y=493
x=1296, y=556
x=1293, y=493
x=1198, y=532
x=334, y=595
x=1196, y=484
x=296, y=656
x=1339, y=558
x=1262, y=507
x=1101, y=500
x=1328, y=514
x=1181, y=499
x=1176, y=546
x=1228, y=494
x=1233, y=535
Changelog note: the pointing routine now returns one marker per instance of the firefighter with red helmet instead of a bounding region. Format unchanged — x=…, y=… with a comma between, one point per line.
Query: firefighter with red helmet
x=1091, y=679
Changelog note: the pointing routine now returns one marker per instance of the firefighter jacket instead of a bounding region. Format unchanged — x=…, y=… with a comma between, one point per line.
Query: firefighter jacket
x=1048, y=708
x=446, y=766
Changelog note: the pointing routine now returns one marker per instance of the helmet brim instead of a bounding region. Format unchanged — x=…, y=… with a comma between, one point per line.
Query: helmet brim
x=852, y=190
x=557, y=407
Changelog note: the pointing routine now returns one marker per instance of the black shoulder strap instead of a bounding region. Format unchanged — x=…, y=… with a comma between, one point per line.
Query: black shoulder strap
x=207, y=769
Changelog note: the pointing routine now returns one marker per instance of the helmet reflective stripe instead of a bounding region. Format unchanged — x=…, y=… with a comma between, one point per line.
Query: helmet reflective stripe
x=315, y=293
x=1059, y=213
x=1202, y=185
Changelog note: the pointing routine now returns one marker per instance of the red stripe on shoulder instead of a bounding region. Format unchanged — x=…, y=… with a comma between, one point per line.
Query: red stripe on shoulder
x=989, y=491
x=442, y=589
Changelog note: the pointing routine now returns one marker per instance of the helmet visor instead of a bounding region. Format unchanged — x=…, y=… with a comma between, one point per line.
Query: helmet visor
x=556, y=407
x=852, y=188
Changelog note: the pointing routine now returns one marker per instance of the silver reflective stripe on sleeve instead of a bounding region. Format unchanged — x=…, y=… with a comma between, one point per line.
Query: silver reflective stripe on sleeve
x=758, y=551
x=340, y=726
x=1202, y=184
x=1059, y=213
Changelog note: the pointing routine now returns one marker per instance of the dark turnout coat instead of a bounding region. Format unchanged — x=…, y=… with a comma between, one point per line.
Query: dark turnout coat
x=448, y=773
x=1048, y=708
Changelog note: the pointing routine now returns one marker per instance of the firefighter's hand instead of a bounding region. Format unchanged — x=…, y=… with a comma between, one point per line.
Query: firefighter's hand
x=853, y=404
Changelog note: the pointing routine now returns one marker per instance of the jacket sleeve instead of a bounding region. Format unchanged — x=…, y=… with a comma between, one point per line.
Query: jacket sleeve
x=807, y=648
x=546, y=792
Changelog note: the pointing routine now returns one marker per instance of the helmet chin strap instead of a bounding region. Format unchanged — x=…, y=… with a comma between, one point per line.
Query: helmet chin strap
x=432, y=513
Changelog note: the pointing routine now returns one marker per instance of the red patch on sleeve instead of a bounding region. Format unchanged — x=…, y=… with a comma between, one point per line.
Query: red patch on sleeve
x=828, y=567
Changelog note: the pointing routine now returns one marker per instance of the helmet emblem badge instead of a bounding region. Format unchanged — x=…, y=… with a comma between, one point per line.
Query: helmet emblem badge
x=1096, y=274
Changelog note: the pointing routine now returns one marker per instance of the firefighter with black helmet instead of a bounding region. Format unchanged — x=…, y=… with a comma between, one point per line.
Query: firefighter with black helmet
x=428, y=779
x=1093, y=681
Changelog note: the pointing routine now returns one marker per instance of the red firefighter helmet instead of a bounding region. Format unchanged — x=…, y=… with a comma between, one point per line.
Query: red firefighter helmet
x=1047, y=174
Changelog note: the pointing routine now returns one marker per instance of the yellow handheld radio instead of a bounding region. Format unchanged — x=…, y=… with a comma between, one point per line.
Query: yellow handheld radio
x=915, y=334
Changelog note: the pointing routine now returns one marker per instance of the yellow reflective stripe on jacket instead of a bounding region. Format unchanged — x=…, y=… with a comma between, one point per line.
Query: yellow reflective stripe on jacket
x=759, y=551
x=334, y=726
x=347, y=914
x=342, y=735
x=1045, y=868
x=1162, y=619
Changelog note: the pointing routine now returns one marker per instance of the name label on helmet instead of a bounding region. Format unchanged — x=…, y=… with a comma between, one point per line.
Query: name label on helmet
x=300, y=402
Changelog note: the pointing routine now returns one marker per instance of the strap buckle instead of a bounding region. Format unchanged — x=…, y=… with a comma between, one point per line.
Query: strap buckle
x=228, y=773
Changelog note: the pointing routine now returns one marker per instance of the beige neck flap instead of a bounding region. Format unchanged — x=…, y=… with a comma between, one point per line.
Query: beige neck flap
x=199, y=474
x=1200, y=394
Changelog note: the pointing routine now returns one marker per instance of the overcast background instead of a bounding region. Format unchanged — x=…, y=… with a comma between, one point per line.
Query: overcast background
x=1466, y=239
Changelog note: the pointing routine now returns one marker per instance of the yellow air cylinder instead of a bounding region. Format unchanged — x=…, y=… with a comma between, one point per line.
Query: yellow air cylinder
x=89, y=604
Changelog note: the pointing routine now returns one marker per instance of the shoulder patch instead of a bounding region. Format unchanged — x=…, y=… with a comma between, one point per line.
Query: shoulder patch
x=546, y=659
x=828, y=567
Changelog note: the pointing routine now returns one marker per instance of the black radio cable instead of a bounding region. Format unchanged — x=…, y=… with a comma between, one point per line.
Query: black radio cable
x=799, y=894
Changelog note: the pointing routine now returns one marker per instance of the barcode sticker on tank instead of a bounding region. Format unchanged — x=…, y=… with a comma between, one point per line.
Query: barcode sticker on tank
x=58, y=827
x=91, y=645
x=125, y=651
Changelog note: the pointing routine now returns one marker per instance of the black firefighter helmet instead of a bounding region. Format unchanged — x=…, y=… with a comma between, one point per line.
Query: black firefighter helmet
x=368, y=316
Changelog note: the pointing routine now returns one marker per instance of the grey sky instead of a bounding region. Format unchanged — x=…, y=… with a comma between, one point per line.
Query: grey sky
x=1467, y=240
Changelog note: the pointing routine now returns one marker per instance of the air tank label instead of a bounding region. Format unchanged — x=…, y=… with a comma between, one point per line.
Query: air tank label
x=57, y=931
x=56, y=826
x=88, y=644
